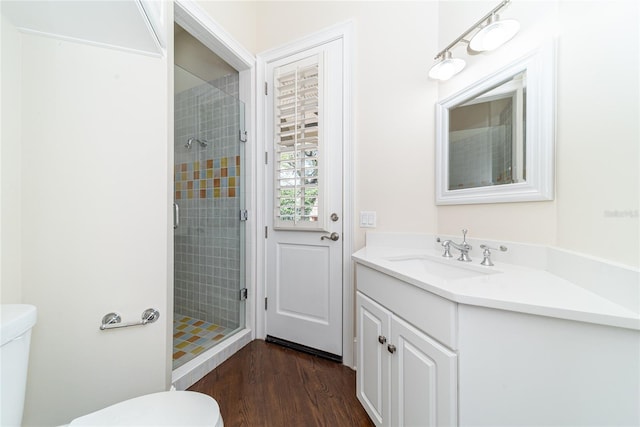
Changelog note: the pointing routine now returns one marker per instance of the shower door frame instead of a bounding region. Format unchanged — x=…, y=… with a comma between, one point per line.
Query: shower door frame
x=200, y=24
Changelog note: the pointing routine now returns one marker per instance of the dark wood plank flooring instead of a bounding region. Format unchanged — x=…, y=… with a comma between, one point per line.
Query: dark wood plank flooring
x=269, y=385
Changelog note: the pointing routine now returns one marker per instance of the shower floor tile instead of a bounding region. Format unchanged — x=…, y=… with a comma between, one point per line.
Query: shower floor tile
x=193, y=336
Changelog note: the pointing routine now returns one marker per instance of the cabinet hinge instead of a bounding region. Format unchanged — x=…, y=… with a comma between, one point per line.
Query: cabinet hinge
x=266, y=232
x=242, y=135
x=266, y=90
x=244, y=215
x=266, y=157
x=265, y=303
x=244, y=293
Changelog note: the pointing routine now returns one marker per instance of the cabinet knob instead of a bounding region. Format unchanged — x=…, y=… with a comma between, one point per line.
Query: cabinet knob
x=382, y=339
x=391, y=348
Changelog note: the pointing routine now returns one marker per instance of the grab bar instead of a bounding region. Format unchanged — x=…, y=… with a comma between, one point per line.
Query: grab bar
x=113, y=320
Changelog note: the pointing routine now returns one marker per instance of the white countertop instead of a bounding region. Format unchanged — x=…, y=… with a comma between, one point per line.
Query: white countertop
x=504, y=286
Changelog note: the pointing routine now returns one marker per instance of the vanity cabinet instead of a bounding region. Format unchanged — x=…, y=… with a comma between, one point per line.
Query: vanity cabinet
x=404, y=377
x=426, y=360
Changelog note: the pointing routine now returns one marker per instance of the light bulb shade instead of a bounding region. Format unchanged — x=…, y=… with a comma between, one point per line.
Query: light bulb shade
x=494, y=35
x=446, y=68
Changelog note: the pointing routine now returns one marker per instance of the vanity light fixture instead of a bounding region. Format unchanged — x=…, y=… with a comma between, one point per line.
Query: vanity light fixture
x=494, y=34
x=447, y=67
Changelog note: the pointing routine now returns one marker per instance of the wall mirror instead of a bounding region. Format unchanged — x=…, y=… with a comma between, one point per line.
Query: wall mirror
x=495, y=139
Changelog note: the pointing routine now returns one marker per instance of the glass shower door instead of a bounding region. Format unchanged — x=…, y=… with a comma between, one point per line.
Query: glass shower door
x=209, y=194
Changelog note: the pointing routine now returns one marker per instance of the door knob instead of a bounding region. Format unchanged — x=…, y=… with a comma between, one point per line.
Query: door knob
x=333, y=236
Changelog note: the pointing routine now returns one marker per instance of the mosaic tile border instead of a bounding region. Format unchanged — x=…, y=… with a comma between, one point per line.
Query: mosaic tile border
x=212, y=178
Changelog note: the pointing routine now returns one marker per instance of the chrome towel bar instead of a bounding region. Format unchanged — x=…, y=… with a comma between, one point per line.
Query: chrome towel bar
x=114, y=321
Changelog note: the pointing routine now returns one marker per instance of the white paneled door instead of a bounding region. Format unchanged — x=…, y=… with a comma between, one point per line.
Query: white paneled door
x=304, y=128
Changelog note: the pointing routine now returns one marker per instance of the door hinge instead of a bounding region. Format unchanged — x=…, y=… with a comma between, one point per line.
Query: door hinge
x=244, y=293
x=242, y=135
x=265, y=303
x=244, y=215
x=266, y=90
x=266, y=232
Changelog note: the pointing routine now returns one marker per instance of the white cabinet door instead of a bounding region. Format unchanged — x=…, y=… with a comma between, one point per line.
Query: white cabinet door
x=405, y=377
x=423, y=379
x=372, y=384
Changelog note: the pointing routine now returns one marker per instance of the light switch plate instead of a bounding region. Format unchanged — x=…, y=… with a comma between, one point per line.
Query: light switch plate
x=367, y=219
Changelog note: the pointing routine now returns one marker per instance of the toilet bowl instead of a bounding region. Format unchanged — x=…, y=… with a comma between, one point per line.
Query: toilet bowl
x=167, y=408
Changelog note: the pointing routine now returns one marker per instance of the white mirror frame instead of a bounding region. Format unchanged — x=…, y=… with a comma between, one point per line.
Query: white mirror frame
x=540, y=135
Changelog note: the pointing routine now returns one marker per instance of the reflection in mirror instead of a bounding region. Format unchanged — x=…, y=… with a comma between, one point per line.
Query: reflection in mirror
x=487, y=137
x=495, y=139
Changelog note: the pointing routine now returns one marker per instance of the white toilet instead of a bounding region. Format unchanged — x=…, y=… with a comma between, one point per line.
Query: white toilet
x=16, y=321
x=168, y=408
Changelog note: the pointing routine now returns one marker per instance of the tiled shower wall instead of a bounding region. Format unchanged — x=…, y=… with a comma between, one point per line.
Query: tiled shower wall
x=207, y=191
x=479, y=157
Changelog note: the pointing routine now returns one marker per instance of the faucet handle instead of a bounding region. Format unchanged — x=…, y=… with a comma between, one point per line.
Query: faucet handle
x=447, y=248
x=487, y=254
x=502, y=248
x=464, y=235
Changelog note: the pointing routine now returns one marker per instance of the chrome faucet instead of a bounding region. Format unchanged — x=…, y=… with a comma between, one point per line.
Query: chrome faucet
x=463, y=247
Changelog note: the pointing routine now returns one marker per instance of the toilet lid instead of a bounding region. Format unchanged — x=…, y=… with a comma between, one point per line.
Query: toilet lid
x=167, y=408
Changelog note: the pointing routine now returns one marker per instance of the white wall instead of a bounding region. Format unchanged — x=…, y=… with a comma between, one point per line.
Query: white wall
x=599, y=129
x=95, y=226
x=10, y=181
x=88, y=161
x=238, y=18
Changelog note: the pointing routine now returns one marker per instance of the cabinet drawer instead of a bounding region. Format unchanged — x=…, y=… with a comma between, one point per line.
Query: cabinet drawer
x=428, y=312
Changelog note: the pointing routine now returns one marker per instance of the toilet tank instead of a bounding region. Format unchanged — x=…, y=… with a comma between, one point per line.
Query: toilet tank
x=15, y=336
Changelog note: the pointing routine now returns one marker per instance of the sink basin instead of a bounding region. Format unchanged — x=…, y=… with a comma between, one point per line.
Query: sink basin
x=444, y=268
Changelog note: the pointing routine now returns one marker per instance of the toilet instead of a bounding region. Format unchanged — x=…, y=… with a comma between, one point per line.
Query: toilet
x=167, y=408
x=16, y=321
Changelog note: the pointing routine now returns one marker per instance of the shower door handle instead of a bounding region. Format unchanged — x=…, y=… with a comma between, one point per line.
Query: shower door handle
x=176, y=216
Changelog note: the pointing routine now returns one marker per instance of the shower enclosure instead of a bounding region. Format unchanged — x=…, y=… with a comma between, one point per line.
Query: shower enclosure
x=209, y=200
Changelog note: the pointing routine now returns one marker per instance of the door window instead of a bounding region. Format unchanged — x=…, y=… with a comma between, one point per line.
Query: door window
x=299, y=168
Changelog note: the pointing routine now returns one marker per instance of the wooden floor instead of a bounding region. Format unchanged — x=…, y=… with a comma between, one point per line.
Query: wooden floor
x=269, y=385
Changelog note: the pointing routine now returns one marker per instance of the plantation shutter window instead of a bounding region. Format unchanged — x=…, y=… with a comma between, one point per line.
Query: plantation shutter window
x=299, y=170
